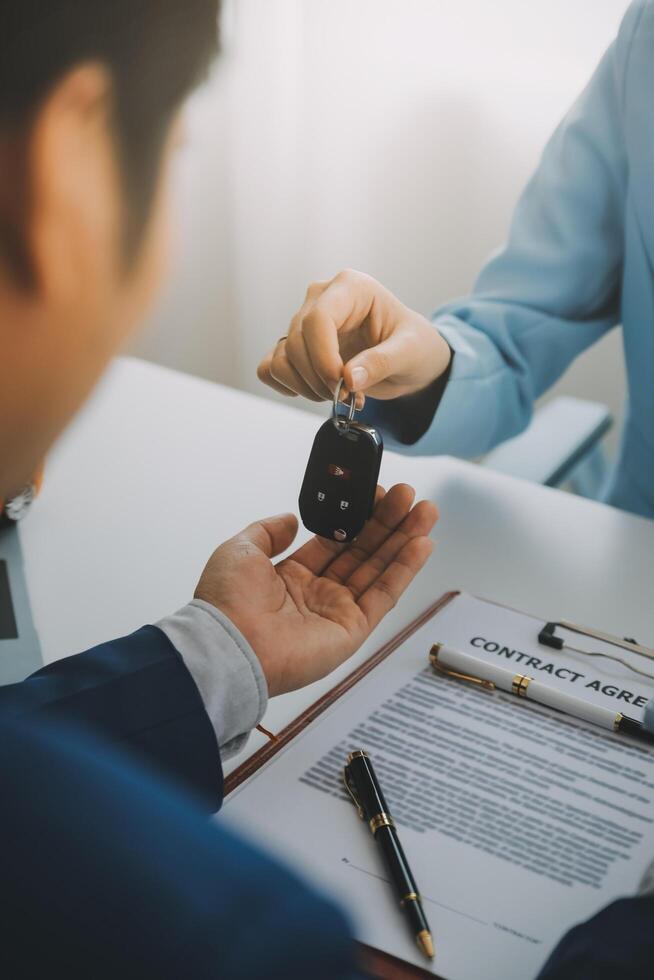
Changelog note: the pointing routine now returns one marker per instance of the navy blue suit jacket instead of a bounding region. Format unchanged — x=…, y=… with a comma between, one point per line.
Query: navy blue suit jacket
x=109, y=867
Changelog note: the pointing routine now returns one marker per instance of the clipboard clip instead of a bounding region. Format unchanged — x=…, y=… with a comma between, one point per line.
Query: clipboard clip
x=548, y=638
x=437, y=665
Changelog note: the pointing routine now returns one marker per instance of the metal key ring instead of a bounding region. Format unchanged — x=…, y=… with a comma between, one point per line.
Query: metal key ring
x=340, y=419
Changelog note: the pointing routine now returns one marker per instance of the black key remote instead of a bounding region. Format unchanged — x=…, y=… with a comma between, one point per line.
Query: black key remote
x=338, y=490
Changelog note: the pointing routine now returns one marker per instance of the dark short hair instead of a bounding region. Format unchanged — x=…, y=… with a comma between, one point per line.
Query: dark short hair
x=156, y=52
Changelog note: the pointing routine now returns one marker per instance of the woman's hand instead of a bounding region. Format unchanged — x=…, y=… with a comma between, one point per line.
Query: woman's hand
x=354, y=328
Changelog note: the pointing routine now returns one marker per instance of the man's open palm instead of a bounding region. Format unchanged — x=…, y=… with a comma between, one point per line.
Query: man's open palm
x=307, y=614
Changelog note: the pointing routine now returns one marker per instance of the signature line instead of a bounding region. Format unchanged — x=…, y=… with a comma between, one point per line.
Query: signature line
x=425, y=898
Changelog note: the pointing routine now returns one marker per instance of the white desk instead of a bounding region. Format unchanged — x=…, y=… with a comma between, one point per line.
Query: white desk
x=160, y=467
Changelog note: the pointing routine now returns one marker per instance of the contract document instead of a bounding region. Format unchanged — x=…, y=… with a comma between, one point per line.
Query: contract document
x=517, y=821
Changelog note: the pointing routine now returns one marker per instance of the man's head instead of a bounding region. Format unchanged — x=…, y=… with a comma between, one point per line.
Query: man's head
x=90, y=93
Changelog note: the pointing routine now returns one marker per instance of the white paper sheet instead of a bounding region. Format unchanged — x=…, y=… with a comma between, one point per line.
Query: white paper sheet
x=518, y=822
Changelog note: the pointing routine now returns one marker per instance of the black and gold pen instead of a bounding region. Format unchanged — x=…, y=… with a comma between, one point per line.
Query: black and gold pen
x=363, y=786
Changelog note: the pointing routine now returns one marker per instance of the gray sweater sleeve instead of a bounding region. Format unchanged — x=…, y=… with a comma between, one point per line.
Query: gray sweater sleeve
x=225, y=669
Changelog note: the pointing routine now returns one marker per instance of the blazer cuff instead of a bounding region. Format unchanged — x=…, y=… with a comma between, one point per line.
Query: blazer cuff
x=225, y=669
x=463, y=412
x=467, y=416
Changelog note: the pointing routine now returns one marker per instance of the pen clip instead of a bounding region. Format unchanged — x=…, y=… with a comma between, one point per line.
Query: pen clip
x=350, y=789
x=433, y=657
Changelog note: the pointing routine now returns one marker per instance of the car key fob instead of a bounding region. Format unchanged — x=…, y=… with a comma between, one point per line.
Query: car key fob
x=338, y=490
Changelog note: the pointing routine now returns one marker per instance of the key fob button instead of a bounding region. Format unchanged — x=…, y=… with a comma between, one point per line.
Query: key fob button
x=345, y=459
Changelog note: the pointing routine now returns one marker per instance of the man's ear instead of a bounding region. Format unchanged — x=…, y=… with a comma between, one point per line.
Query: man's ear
x=74, y=217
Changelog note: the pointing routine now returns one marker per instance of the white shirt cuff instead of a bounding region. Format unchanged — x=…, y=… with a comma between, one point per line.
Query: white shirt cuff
x=225, y=669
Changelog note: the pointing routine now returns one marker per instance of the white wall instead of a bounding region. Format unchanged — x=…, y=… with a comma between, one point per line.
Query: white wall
x=389, y=135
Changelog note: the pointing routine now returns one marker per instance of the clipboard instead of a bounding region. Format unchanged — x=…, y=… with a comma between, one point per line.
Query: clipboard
x=376, y=963
x=373, y=962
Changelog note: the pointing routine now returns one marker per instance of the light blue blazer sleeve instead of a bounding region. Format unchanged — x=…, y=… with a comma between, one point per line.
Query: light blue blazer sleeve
x=554, y=288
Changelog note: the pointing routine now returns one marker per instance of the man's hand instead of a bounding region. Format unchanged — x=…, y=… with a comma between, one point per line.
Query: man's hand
x=352, y=327
x=307, y=614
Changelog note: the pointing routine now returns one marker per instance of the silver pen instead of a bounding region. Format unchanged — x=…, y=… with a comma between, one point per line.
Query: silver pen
x=464, y=667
